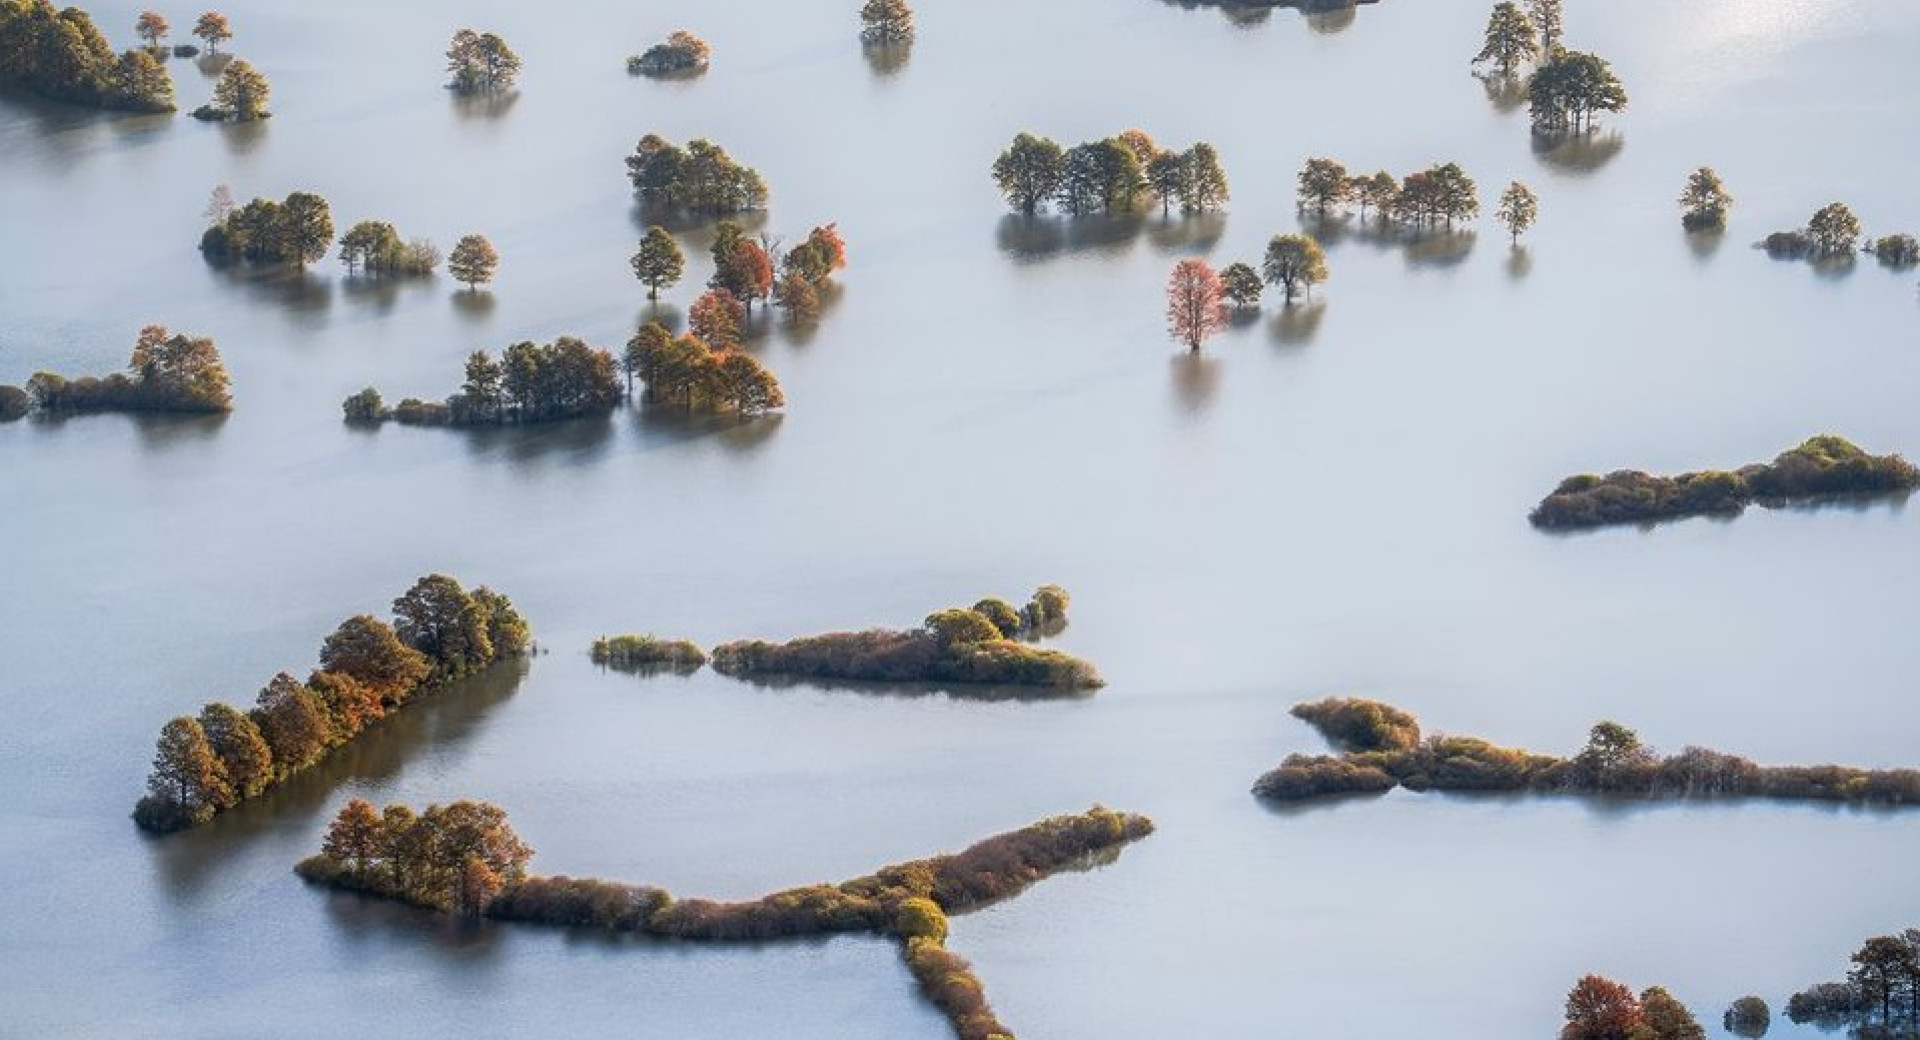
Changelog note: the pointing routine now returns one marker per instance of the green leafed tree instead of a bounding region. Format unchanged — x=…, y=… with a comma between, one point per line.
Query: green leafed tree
x=1323, y=186
x=1667, y=1018
x=473, y=261
x=372, y=245
x=1511, y=40
x=658, y=262
x=439, y=619
x=1240, y=285
x=306, y=227
x=1205, y=189
x=1028, y=173
x=886, y=22
x=240, y=96
x=1517, y=211
x=1548, y=16
x=1295, y=263
x=1569, y=88
x=1833, y=230
x=1704, y=201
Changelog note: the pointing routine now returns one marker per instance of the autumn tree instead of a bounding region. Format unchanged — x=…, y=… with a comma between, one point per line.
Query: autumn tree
x=368, y=650
x=354, y=836
x=1028, y=173
x=1601, y=1009
x=1517, y=211
x=741, y=266
x=885, y=22
x=717, y=317
x=473, y=261
x=293, y=722
x=439, y=619
x=646, y=345
x=1833, y=230
x=1378, y=191
x=142, y=83
x=1323, y=185
x=481, y=63
x=242, y=750
x=240, y=96
x=746, y=384
x=1704, y=201
x=152, y=27
x=658, y=262
x=1240, y=286
x=815, y=259
x=178, y=372
x=1570, y=87
x=213, y=29
x=188, y=783
x=1511, y=39
x=1295, y=263
x=1194, y=307
x=796, y=297
x=1547, y=16
x=1667, y=1018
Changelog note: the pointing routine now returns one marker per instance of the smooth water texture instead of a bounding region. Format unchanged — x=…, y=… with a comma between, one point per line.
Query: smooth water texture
x=1331, y=500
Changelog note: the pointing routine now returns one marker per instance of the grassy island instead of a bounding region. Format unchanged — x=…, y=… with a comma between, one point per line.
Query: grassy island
x=1383, y=749
x=986, y=643
x=368, y=668
x=1825, y=467
x=643, y=653
x=464, y=858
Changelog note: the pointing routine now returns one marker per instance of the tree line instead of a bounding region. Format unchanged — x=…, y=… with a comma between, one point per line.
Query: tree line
x=297, y=230
x=167, y=372
x=1382, y=749
x=208, y=764
x=1442, y=194
x=62, y=55
x=529, y=383
x=1120, y=174
x=1879, y=997
x=465, y=858
x=700, y=179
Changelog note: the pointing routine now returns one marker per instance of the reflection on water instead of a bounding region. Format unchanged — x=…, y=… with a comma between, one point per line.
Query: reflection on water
x=290, y=287
x=1196, y=378
x=916, y=690
x=696, y=230
x=473, y=304
x=568, y=442
x=362, y=919
x=1504, y=93
x=1187, y=233
x=669, y=424
x=483, y=107
x=888, y=60
x=1440, y=249
x=211, y=64
x=1705, y=242
x=1519, y=262
x=161, y=433
x=1036, y=238
x=243, y=139
x=1419, y=246
x=1329, y=18
x=660, y=312
x=1298, y=322
x=1577, y=154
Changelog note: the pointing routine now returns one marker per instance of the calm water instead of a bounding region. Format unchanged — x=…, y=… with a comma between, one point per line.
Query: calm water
x=1332, y=500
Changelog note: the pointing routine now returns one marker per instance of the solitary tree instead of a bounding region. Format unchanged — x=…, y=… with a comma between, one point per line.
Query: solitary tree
x=884, y=22
x=1205, y=189
x=1667, y=1018
x=1295, y=263
x=658, y=263
x=1517, y=210
x=306, y=226
x=213, y=29
x=1601, y=1009
x=1029, y=171
x=1546, y=16
x=1323, y=185
x=1704, y=202
x=1194, y=307
x=1833, y=230
x=241, y=94
x=1240, y=285
x=473, y=260
x=481, y=63
x=1511, y=39
x=1570, y=87
x=152, y=27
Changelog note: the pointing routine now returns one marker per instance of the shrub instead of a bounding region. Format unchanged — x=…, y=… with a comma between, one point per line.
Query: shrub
x=634, y=653
x=15, y=403
x=1352, y=724
x=1002, y=615
x=365, y=407
x=580, y=903
x=948, y=982
x=920, y=918
x=1747, y=1017
x=1788, y=245
x=1303, y=777
x=1896, y=251
x=682, y=52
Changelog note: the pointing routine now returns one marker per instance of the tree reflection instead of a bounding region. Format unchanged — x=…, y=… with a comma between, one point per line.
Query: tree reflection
x=1578, y=154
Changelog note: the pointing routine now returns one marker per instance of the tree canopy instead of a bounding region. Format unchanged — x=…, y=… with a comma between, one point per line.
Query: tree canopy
x=481, y=63
x=1569, y=88
x=166, y=372
x=62, y=55
x=1195, y=307
x=1295, y=263
x=700, y=179
x=1511, y=39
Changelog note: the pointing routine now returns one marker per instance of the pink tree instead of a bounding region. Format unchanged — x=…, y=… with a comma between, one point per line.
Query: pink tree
x=1194, y=307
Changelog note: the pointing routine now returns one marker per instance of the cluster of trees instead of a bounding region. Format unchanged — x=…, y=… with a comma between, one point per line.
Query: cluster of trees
x=212, y=28
x=297, y=230
x=464, y=858
x=240, y=96
x=682, y=52
x=1382, y=749
x=1881, y=993
x=1704, y=201
x=167, y=372
x=1118, y=175
x=885, y=23
x=1747, y=1017
x=1823, y=467
x=481, y=63
x=440, y=632
x=529, y=383
x=1201, y=301
x=1896, y=251
x=984, y=644
x=700, y=179
x=1831, y=234
x=643, y=653
x=691, y=372
x=61, y=54
x=374, y=247
x=745, y=270
x=1441, y=194
x=1598, y=1008
x=1567, y=87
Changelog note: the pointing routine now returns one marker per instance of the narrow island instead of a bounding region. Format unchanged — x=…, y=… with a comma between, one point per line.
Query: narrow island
x=441, y=632
x=1382, y=748
x=1825, y=468
x=167, y=372
x=465, y=859
x=644, y=654
x=982, y=644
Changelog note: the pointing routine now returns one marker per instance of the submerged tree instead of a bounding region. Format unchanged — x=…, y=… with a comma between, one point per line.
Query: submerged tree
x=658, y=262
x=1599, y=1008
x=1295, y=263
x=152, y=27
x=1379, y=191
x=1568, y=89
x=1517, y=211
x=1028, y=173
x=885, y=22
x=1323, y=186
x=1704, y=201
x=1546, y=16
x=240, y=96
x=1511, y=39
x=473, y=260
x=1194, y=307
x=481, y=63
x=1667, y=1018
x=1833, y=230
x=1205, y=189
x=213, y=29
x=1240, y=285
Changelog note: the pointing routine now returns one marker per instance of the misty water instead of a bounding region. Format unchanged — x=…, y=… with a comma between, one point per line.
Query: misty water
x=1331, y=499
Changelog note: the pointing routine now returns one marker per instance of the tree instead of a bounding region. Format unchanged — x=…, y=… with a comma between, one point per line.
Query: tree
x=152, y=27
x=354, y=837
x=1169, y=176
x=372, y=244
x=1704, y=201
x=885, y=22
x=1613, y=752
x=213, y=29
x=241, y=95
x=743, y=268
x=348, y=704
x=1194, y=307
x=439, y=619
x=187, y=775
x=219, y=205
x=479, y=884
x=1517, y=210
x=1546, y=15
x=142, y=83
x=958, y=626
x=1100, y=175
x=1456, y=197
x=1295, y=263
x=244, y=753
x=1029, y=172
x=1569, y=87
x=1323, y=185
x=748, y=385
x=1833, y=230
x=483, y=389
x=481, y=63
x=1601, y=1009
x=1884, y=970
x=293, y=722
x=509, y=633
x=1511, y=39
x=369, y=651
x=795, y=295
x=658, y=262
x=1379, y=191
x=473, y=261
x=180, y=371
x=1240, y=285
x=1747, y=1017
x=643, y=353
x=1205, y=189
x=1667, y=1018
x=716, y=318
x=366, y=406
x=306, y=227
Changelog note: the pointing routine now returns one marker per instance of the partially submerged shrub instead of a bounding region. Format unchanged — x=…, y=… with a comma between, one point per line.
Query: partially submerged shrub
x=1747, y=1017
x=682, y=52
x=1303, y=777
x=1353, y=724
x=639, y=652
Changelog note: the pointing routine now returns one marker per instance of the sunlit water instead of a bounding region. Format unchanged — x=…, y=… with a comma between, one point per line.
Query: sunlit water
x=1331, y=500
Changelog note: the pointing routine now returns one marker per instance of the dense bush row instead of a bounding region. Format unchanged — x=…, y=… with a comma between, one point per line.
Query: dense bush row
x=206, y=765
x=1614, y=762
x=166, y=372
x=978, y=644
x=700, y=179
x=465, y=858
x=1823, y=467
x=1439, y=194
x=61, y=54
x=530, y=383
x=638, y=653
x=1121, y=174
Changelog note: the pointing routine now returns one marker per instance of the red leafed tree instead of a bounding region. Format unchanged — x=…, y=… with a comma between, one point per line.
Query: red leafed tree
x=716, y=317
x=1194, y=309
x=1601, y=1009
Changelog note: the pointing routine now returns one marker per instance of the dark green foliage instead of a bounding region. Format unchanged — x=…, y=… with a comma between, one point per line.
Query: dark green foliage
x=1829, y=1004
x=1100, y=177
x=1002, y=616
x=701, y=179
x=1788, y=245
x=365, y=407
x=165, y=373
x=1029, y=171
x=639, y=653
x=531, y=383
x=1823, y=467
x=1240, y=285
x=298, y=230
x=1569, y=88
x=886, y=23
x=1881, y=994
x=373, y=246
x=1748, y=1018
x=15, y=403
x=683, y=52
x=1353, y=724
x=1112, y=176
x=61, y=54
x=1896, y=251
x=452, y=629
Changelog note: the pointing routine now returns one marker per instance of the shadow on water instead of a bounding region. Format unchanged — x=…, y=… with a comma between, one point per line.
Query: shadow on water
x=1316, y=806
x=294, y=289
x=1705, y=242
x=441, y=721
x=915, y=690
x=1037, y=238
x=1506, y=93
x=1297, y=323
x=1327, y=19
x=568, y=442
x=887, y=60
x=696, y=228
x=473, y=304
x=1322, y=16
x=1419, y=246
x=1196, y=379
x=243, y=139
x=212, y=64
x=1198, y=232
x=483, y=107
x=1440, y=248
x=666, y=425
x=1834, y=267
x=359, y=918
x=1893, y=502
x=1519, y=262
x=661, y=312
x=1578, y=154
x=378, y=293
x=161, y=433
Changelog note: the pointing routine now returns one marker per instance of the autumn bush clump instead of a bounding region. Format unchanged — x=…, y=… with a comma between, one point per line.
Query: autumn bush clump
x=585, y=902
x=1353, y=724
x=167, y=372
x=635, y=653
x=1303, y=777
x=948, y=981
x=682, y=52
